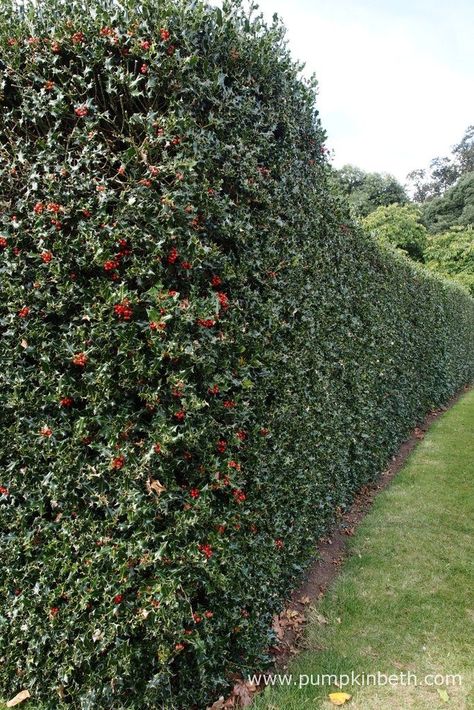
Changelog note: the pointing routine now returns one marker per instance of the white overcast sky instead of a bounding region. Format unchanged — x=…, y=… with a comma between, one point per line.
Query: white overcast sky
x=395, y=76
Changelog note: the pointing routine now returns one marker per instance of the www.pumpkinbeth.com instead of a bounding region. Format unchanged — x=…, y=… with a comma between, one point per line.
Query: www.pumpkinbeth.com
x=357, y=679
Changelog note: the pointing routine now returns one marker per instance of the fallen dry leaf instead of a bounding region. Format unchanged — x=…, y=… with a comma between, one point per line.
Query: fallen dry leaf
x=24, y=343
x=243, y=692
x=19, y=698
x=278, y=628
x=339, y=698
x=155, y=487
x=305, y=600
x=218, y=705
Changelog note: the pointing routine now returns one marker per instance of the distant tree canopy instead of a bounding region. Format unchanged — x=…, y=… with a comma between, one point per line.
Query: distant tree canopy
x=452, y=254
x=444, y=171
x=367, y=191
x=454, y=208
x=400, y=226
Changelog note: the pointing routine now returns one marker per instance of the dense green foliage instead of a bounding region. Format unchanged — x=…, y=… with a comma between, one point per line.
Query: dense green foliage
x=454, y=208
x=367, y=191
x=202, y=359
x=452, y=254
x=400, y=226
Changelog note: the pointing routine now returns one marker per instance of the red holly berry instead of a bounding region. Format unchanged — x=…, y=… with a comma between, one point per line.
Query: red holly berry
x=223, y=300
x=46, y=257
x=3, y=243
x=66, y=402
x=180, y=415
x=239, y=495
x=157, y=448
x=221, y=446
x=23, y=312
x=241, y=434
x=208, y=614
x=78, y=38
x=144, y=69
x=38, y=208
x=123, y=311
x=279, y=544
x=46, y=432
x=206, y=322
x=3, y=491
x=216, y=281
x=194, y=493
x=81, y=111
x=145, y=45
x=160, y=325
x=54, y=610
x=164, y=34
x=118, y=462
x=111, y=265
x=206, y=550
x=229, y=403
x=118, y=598
x=80, y=359
x=173, y=255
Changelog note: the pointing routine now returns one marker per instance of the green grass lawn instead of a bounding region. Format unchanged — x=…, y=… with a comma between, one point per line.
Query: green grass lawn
x=405, y=598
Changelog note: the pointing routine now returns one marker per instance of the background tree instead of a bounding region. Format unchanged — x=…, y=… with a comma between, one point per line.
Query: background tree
x=452, y=254
x=400, y=226
x=454, y=208
x=444, y=172
x=367, y=191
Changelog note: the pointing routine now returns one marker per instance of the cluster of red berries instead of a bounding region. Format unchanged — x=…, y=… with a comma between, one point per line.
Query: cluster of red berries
x=123, y=310
x=118, y=462
x=206, y=322
x=206, y=550
x=173, y=256
x=80, y=359
x=221, y=446
x=240, y=496
x=81, y=111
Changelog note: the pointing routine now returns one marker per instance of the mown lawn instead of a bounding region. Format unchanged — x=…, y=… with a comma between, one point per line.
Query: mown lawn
x=405, y=598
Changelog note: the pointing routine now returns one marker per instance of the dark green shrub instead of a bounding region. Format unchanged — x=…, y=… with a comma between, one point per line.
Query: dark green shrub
x=202, y=360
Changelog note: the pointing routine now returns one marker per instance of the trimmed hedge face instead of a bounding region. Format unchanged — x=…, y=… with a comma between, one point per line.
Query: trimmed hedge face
x=202, y=360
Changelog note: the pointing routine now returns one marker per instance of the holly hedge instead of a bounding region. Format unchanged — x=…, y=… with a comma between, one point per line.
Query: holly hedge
x=203, y=359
